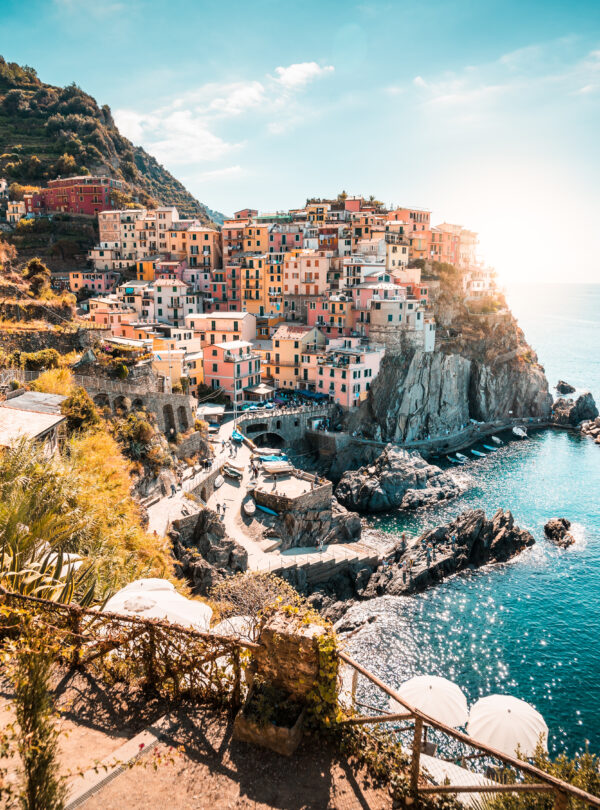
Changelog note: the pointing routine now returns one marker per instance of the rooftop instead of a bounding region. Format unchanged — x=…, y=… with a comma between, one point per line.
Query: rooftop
x=230, y=345
x=291, y=331
x=36, y=401
x=16, y=424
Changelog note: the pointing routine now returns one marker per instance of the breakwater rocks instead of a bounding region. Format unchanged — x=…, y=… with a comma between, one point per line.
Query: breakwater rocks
x=204, y=554
x=468, y=542
x=397, y=478
x=569, y=412
x=591, y=428
x=557, y=530
x=564, y=387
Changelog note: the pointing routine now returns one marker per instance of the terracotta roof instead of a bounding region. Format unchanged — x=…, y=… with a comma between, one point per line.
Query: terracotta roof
x=291, y=331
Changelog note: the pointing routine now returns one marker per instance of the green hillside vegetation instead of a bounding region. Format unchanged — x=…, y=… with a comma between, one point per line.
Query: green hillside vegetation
x=47, y=132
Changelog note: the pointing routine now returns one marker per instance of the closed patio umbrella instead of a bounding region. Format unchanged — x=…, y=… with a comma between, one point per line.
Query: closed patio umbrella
x=507, y=723
x=158, y=599
x=438, y=697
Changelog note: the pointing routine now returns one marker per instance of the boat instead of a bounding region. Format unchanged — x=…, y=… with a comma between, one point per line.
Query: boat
x=496, y=440
x=454, y=460
x=249, y=507
x=277, y=467
x=236, y=465
x=520, y=432
x=489, y=447
x=219, y=480
x=237, y=437
x=478, y=453
x=266, y=509
x=461, y=458
x=233, y=473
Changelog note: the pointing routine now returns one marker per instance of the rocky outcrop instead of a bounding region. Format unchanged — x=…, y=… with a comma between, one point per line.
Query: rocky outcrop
x=482, y=370
x=557, y=530
x=564, y=387
x=204, y=553
x=470, y=541
x=572, y=412
x=334, y=524
x=398, y=478
x=591, y=428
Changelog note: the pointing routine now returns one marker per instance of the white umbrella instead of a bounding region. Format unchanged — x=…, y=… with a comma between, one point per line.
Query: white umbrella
x=435, y=696
x=160, y=602
x=507, y=723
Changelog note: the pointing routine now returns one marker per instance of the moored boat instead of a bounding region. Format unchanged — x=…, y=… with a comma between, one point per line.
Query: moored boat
x=478, y=453
x=489, y=447
x=266, y=509
x=249, y=507
x=496, y=440
x=219, y=480
x=461, y=458
x=520, y=432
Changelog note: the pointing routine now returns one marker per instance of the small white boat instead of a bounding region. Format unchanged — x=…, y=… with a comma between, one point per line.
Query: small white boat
x=496, y=440
x=236, y=465
x=249, y=507
x=454, y=460
x=520, y=432
x=461, y=458
x=276, y=467
x=219, y=480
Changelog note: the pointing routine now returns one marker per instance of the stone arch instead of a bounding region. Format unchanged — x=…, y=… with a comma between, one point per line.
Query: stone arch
x=182, y=418
x=269, y=439
x=121, y=404
x=257, y=427
x=102, y=401
x=169, y=418
x=137, y=404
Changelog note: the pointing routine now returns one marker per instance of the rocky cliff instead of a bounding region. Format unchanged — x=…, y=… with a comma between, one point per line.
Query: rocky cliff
x=482, y=369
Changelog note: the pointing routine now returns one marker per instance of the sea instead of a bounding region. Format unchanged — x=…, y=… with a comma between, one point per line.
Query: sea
x=529, y=628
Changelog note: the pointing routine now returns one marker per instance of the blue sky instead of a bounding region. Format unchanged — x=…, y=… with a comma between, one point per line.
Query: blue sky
x=486, y=112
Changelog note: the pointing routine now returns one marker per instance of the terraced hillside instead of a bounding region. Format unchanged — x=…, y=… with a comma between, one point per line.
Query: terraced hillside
x=48, y=131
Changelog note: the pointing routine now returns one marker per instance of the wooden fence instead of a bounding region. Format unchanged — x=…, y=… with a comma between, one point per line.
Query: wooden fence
x=545, y=782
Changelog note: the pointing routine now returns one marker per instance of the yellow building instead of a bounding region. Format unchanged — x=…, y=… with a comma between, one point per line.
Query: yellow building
x=290, y=342
x=256, y=238
x=145, y=269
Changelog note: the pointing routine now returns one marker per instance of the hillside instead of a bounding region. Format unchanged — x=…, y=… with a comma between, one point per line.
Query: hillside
x=47, y=131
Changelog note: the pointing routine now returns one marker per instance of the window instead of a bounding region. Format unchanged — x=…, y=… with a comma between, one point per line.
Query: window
x=390, y=316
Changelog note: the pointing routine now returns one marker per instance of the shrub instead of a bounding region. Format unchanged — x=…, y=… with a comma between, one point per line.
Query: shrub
x=33, y=361
x=55, y=381
x=80, y=411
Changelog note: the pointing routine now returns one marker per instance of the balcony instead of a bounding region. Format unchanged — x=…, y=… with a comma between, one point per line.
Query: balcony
x=238, y=358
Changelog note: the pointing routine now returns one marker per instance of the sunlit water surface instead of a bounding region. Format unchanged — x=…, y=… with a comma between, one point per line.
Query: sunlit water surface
x=530, y=628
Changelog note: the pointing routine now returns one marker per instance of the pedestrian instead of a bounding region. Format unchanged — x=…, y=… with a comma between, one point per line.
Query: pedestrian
x=218, y=508
x=173, y=490
x=223, y=508
x=403, y=542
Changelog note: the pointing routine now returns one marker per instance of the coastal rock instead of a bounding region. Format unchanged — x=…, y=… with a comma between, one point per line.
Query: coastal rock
x=564, y=387
x=398, y=478
x=591, y=428
x=307, y=527
x=434, y=556
x=557, y=530
x=572, y=412
x=204, y=553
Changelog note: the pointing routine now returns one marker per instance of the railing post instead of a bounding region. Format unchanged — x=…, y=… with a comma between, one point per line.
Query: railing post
x=416, y=758
x=560, y=800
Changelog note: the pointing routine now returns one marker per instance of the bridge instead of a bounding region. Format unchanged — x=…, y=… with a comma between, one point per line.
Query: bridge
x=175, y=413
x=282, y=427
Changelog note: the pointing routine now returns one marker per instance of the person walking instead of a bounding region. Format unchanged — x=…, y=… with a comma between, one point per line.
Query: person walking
x=173, y=490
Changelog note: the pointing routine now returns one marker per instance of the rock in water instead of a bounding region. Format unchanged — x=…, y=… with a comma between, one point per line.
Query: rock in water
x=557, y=530
x=569, y=412
x=434, y=556
x=564, y=387
x=397, y=478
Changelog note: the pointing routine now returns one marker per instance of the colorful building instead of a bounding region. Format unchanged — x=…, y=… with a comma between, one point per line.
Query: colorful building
x=232, y=367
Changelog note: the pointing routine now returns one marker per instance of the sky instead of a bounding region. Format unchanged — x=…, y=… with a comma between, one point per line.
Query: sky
x=485, y=112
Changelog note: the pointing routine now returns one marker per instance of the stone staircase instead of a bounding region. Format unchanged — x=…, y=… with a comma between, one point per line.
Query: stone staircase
x=320, y=566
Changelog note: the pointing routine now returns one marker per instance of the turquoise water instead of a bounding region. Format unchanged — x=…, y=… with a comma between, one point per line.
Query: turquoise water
x=529, y=628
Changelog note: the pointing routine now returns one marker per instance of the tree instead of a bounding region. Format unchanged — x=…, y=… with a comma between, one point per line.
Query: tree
x=38, y=275
x=65, y=165
x=80, y=411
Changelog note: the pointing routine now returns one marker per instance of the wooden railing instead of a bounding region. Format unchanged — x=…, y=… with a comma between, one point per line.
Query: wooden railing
x=546, y=783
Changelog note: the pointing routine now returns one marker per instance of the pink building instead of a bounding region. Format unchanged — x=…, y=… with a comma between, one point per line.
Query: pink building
x=233, y=367
x=100, y=283
x=347, y=370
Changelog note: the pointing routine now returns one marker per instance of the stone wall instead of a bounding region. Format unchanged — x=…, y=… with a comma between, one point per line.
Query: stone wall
x=316, y=499
x=288, y=656
x=206, y=487
x=193, y=445
x=290, y=425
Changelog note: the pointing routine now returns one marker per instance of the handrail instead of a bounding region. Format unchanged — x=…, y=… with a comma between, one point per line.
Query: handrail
x=532, y=770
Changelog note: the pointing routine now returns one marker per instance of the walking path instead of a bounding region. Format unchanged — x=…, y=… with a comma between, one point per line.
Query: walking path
x=263, y=553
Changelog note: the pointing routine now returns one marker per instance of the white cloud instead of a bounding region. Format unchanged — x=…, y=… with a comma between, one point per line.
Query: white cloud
x=186, y=130
x=226, y=173
x=301, y=73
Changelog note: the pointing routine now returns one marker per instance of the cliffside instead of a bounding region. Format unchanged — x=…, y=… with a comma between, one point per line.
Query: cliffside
x=482, y=369
x=48, y=131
